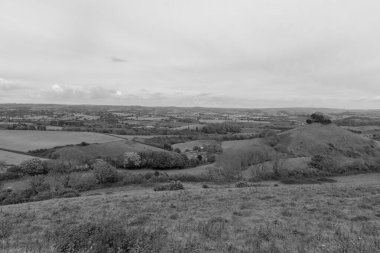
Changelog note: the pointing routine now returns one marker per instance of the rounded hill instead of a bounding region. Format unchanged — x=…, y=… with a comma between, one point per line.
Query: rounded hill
x=329, y=139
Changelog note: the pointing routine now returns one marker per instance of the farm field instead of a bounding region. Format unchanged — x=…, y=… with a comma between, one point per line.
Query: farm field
x=267, y=217
x=11, y=158
x=24, y=141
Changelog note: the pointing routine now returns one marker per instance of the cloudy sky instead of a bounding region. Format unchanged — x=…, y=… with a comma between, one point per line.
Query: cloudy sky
x=236, y=53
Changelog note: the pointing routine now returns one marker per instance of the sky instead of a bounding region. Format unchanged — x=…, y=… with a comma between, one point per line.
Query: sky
x=210, y=53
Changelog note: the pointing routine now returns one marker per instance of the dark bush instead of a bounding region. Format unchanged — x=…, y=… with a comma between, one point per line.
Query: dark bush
x=242, y=184
x=162, y=160
x=33, y=167
x=9, y=176
x=15, y=169
x=319, y=118
x=325, y=163
x=106, y=236
x=270, y=136
x=172, y=186
x=104, y=172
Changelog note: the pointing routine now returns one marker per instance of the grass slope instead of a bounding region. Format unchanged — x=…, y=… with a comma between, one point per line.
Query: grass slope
x=327, y=139
x=338, y=217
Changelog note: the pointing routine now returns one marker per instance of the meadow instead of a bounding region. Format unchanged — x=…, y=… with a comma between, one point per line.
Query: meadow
x=265, y=217
x=24, y=140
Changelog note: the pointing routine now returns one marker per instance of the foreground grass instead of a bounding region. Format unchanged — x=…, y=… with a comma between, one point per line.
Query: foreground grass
x=338, y=217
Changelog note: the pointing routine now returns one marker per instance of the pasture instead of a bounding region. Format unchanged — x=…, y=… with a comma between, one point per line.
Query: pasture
x=23, y=140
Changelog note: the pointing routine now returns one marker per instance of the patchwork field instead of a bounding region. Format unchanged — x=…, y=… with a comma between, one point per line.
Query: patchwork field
x=337, y=217
x=30, y=140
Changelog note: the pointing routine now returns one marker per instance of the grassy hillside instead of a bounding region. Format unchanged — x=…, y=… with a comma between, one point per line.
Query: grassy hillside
x=327, y=139
x=339, y=217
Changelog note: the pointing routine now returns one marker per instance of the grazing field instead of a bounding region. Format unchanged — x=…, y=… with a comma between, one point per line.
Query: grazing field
x=336, y=217
x=11, y=158
x=24, y=141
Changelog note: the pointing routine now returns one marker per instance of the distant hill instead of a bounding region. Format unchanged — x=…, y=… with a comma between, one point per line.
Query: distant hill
x=327, y=139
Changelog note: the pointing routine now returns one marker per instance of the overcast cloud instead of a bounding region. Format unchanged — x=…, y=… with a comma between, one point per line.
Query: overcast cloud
x=321, y=53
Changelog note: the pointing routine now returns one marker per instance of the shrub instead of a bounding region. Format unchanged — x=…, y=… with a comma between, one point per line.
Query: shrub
x=132, y=160
x=67, y=193
x=33, y=167
x=318, y=118
x=172, y=186
x=15, y=169
x=325, y=163
x=82, y=181
x=38, y=184
x=9, y=176
x=105, y=173
x=57, y=166
x=129, y=178
x=162, y=160
x=270, y=137
x=106, y=236
x=242, y=184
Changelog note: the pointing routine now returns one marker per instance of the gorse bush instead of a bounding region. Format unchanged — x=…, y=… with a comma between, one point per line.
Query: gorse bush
x=162, y=160
x=132, y=160
x=104, y=173
x=270, y=137
x=33, y=167
x=172, y=186
x=318, y=118
x=106, y=236
x=324, y=163
x=82, y=181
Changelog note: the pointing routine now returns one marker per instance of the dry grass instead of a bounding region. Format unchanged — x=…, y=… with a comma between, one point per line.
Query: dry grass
x=21, y=140
x=339, y=217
